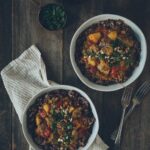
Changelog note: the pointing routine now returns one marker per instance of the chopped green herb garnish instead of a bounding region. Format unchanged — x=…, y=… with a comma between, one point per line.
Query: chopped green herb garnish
x=52, y=111
x=91, y=53
x=117, y=43
x=54, y=125
x=53, y=16
x=69, y=126
x=101, y=56
x=128, y=62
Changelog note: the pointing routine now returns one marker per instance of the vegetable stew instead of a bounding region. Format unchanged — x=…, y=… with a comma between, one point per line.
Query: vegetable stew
x=107, y=52
x=60, y=120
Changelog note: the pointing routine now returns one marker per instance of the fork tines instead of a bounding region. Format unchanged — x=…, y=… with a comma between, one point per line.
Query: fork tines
x=125, y=101
x=143, y=90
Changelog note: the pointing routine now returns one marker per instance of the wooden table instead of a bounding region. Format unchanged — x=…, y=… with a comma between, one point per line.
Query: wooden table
x=19, y=28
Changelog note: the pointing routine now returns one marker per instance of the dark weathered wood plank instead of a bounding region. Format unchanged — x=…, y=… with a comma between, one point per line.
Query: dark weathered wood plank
x=5, y=57
x=111, y=113
x=78, y=12
x=27, y=31
x=136, y=131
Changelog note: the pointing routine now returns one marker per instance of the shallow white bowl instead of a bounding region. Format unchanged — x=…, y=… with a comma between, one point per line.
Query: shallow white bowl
x=65, y=87
x=138, y=70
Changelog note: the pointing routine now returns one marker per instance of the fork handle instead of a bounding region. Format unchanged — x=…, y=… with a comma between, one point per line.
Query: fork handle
x=118, y=138
x=114, y=134
x=129, y=112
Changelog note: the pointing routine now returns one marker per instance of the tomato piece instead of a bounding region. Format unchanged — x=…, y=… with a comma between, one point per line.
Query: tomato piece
x=114, y=69
x=92, y=70
x=114, y=72
x=59, y=103
x=89, y=43
x=47, y=132
x=42, y=113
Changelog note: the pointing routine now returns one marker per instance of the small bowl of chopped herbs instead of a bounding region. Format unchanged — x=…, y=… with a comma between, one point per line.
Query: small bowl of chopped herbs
x=52, y=16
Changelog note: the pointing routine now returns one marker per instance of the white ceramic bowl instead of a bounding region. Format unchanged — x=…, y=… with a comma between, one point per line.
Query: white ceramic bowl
x=65, y=87
x=138, y=70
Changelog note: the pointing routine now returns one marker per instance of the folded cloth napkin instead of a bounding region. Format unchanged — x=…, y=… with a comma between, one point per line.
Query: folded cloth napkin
x=26, y=76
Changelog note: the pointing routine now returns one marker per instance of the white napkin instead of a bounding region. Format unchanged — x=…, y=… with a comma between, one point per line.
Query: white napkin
x=24, y=77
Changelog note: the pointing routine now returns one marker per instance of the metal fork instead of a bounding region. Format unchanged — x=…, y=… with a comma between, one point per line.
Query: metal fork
x=137, y=99
x=125, y=101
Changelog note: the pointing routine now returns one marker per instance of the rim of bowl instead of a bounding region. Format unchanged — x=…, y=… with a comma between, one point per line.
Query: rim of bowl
x=137, y=71
x=64, y=87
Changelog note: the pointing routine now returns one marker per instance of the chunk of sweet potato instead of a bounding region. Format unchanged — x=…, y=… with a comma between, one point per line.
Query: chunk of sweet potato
x=37, y=120
x=112, y=35
x=103, y=67
x=94, y=48
x=71, y=109
x=108, y=50
x=94, y=37
x=91, y=61
x=46, y=107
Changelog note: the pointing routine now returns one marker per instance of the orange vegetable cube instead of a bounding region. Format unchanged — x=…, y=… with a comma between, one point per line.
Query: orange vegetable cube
x=71, y=109
x=94, y=37
x=46, y=107
x=91, y=61
x=37, y=120
x=112, y=35
x=94, y=48
x=108, y=50
x=103, y=67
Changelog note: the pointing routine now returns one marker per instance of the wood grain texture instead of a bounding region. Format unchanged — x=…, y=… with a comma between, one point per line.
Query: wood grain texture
x=5, y=57
x=78, y=12
x=137, y=130
x=28, y=31
x=54, y=46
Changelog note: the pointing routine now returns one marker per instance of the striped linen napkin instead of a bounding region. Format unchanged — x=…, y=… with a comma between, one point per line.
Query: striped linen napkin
x=26, y=76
